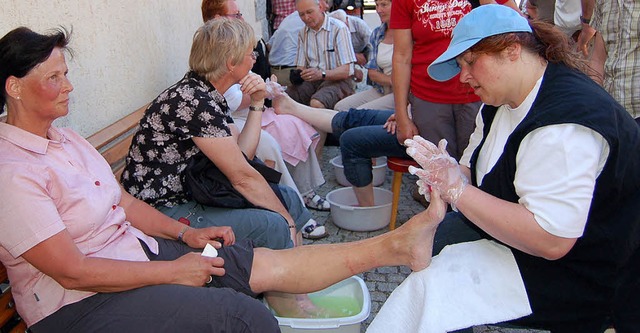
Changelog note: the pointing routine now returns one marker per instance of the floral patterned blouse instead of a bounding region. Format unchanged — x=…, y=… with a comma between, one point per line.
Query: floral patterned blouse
x=163, y=145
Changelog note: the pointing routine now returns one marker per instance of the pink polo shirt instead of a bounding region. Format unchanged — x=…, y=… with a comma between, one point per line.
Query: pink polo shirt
x=51, y=186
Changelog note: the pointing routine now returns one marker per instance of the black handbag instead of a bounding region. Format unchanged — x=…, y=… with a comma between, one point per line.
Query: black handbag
x=207, y=185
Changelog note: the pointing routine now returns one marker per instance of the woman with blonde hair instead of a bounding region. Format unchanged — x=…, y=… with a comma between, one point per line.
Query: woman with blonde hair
x=191, y=119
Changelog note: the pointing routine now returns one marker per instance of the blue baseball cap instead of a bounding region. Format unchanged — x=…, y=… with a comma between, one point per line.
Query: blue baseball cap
x=481, y=22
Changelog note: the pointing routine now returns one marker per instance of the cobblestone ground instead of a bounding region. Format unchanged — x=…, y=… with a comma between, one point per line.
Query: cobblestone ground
x=382, y=281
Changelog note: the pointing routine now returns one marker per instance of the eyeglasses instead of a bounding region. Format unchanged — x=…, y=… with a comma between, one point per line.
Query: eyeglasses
x=237, y=15
x=254, y=55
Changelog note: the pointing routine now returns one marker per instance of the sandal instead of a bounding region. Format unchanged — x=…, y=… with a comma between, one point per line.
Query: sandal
x=312, y=230
x=316, y=202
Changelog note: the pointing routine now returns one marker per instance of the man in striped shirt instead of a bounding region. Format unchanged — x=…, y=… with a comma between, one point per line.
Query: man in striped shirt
x=324, y=57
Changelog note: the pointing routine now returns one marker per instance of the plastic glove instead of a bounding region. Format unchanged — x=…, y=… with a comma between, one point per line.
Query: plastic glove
x=424, y=189
x=274, y=89
x=438, y=169
x=423, y=150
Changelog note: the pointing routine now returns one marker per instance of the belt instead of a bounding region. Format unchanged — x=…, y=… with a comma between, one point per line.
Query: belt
x=282, y=67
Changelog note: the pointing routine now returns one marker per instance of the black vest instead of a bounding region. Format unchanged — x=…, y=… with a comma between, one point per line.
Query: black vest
x=578, y=287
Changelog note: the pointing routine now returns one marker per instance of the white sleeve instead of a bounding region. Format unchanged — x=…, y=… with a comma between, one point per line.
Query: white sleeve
x=556, y=171
x=233, y=95
x=474, y=141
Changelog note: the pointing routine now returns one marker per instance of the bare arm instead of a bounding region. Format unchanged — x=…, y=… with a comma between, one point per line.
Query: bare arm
x=59, y=258
x=587, y=32
x=379, y=77
x=512, y=224
x=153, y=223
x=336, y=74
x=401, y=79
x=254, y=87
x=226, y=155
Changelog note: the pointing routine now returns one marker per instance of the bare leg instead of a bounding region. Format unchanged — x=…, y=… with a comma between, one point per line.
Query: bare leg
x=318, y=118
x=364, y=195
x=320, y=145
x=310, y=268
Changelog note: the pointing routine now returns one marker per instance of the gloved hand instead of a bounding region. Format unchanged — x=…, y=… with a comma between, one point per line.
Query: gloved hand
x=439, y=170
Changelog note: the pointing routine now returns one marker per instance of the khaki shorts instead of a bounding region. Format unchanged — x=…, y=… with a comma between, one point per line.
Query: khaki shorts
x=326, y=92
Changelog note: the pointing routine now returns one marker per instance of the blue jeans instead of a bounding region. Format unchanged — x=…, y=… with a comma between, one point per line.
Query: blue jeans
x=362, y=137
x=266, y=228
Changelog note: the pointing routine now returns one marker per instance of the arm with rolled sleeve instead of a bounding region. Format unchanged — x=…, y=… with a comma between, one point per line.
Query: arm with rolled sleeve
x=556, y=170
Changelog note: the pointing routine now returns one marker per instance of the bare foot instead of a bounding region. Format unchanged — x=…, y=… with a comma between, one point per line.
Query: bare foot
x=415, y=237
x=284, y=104
x=295, y=306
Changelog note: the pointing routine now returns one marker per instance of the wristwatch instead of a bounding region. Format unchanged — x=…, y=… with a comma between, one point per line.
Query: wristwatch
x=324, y=75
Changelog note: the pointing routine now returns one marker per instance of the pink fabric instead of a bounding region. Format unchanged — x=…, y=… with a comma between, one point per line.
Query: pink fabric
x=53, y=186
x=293, y=134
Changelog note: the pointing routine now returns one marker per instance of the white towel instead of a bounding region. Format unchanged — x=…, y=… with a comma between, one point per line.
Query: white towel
x=467, y=284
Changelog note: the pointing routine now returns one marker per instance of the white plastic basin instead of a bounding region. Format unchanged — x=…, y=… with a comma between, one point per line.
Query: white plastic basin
x=379, y=171
x=353, y=289
x=346, y=213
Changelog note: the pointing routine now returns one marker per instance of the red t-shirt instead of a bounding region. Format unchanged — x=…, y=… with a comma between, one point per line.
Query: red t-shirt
x=431, y=23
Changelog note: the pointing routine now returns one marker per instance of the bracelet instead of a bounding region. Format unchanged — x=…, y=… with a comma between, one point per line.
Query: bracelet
x=585, y=20
x=292, y=226
x=181, y=233
x=253, y=108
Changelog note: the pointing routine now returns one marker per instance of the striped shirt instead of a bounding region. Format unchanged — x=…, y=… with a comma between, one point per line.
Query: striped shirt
x=619, y=23
x=328, y=48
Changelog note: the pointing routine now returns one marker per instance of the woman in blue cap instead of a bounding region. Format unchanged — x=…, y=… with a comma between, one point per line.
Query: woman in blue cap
x=551, y=172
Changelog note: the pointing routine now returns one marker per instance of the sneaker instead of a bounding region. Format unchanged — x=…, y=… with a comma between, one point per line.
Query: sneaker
x=316, y=202
x=312, y=230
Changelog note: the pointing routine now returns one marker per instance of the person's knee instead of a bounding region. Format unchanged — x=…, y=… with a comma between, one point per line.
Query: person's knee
x=355, y=142
x=314, y=103
x=266, y=228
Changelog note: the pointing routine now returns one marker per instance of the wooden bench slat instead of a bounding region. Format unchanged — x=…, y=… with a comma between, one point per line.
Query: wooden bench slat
x=118, y=151
x=3, y=273
x=7, y=311
x=106, y=135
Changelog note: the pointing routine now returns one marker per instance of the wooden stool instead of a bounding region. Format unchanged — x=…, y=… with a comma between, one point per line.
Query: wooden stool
x=398, y=166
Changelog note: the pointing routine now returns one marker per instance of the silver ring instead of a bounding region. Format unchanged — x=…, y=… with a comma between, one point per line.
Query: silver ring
x=210, y=279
